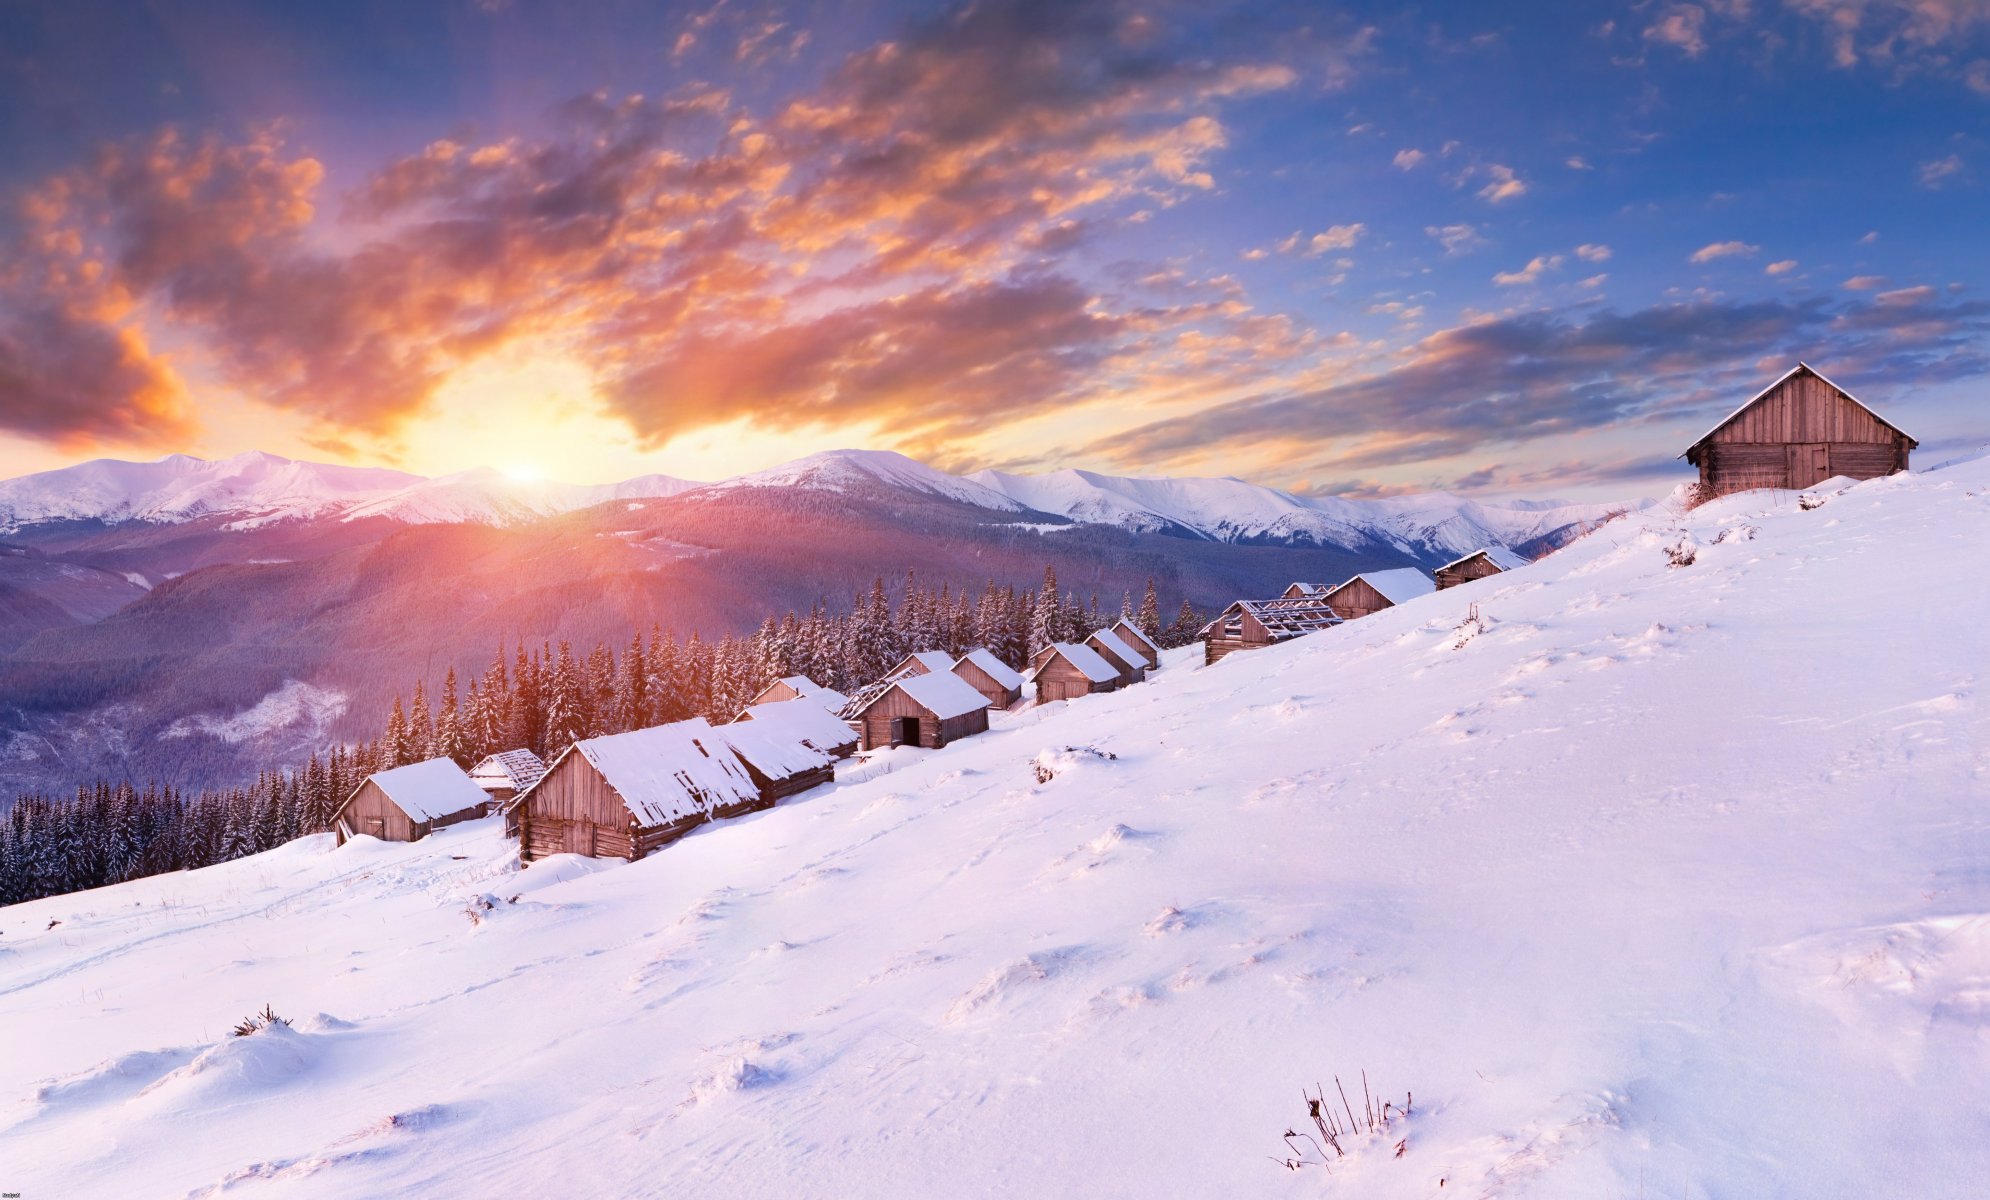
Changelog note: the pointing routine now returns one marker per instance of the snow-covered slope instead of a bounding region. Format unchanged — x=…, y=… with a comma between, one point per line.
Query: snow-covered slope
x=1231, y=510
x=867, y=471
x=1653, y=879
x=256, y=489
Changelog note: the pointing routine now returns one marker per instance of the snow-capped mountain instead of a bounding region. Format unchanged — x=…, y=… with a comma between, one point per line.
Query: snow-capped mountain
x=1231, y=510
x=868, y=471
x=1639, y=878
x=254, y=490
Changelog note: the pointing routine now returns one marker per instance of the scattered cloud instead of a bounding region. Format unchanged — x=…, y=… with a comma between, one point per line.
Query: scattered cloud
x=1680, y=26
x=1870, y=238
x=1406, y=160
x=1714, y=250
x=1536, y=267
x=1938, y=171
x=1576, y=162
x=1593, y=282
x=1780, y=267
x=1504, y=184
x=1456, y=239
x=1593, y=252
x=1335, y=237
x=1865, y=283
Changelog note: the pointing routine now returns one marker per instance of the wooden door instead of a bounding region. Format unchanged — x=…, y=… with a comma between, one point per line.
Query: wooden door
x=1809, y=464
x=580, y=838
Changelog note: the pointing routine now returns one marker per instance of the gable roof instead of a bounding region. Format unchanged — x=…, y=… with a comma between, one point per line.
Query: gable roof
x=667, y=772
x=828, y=698
x=1298, y=588
x=1125, y=626
x=1116, y=646
x=1284, y=617
x=514, y=769
x=427, y=790
x=1802, y=368
x=1498, y=556
x=1396, y=586
x=1089, y=662
x=770, y=748
x=936, y=661
x=801, y=720
x=1004, y=675
x=942, y=693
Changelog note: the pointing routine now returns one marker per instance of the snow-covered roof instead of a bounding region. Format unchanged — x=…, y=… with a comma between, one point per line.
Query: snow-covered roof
x=1498, y=556
x=942, y=693
x=771, y=747
x=1090, y=663
x=1126, y=627
x=1780, y=380
x=802, y=720
x=827, y=698
x=1117, y=646
x=514, y=769
x=427, y=790
x=1298, y=588
x=669, y=772
x=1004, y=675
x=938, y=661
x=1282, y=618
x=1398, y=585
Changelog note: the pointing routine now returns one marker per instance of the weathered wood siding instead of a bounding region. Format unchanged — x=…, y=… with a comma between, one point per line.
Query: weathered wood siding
x=1059, y=680
x=1139, y=647
x=1130, y=671
x=1356, y=599
x=1800, y=433
x=775, y=691
x=369, y=811
x=772, y=789
x=1476, y=567
x=982, y=682
x=1241, y=631
x=878, y=723
x=575, y=811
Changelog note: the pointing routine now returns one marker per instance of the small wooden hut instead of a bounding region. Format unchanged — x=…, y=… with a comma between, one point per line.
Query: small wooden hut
x=408, y=803
x=1295, y=591
x=780, y=764
x=801, y=720
x=625, y=795
x=929, y=710
x=1067, y=670
x=1796, y=433
x=800, y=687
x=1255, y=624
x=1132, y=667
x=922, y=662
x=1001, y=683
x=1477, y=565
x=1131, y=634
x=1372, y=591
x=505, y=774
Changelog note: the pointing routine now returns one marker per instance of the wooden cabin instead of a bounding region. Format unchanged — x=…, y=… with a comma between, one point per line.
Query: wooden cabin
x=930, y=710
x=1477, y=565
x=922, y=662
x=505, y=774
x=1372, y=591
x=1796, y=433
x=779, y=763
x=1255, y=624
x=1296, y=591
x=1132, y=635
x=801, y=720
x=408, y=803
x=800, y=687
x=627, y=794
x=1067, y=670
x=1001, y=683
x=1132, y=667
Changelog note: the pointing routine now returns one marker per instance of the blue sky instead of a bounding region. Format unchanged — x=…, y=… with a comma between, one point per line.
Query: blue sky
x=1527, y=249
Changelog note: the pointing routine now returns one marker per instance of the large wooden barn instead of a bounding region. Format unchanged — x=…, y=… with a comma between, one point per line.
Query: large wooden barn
x=1067, y=670
x=1372, y=591
x=408, y=803
x=1133, y=636
x=802, y=721
x=1001, y=683
x=1255, y=624
x=1796, y=433
x=1112, y=648
x=930, y=710
x=800, y=687
x=1477, y=565
x=779, y=763
x=625, y=795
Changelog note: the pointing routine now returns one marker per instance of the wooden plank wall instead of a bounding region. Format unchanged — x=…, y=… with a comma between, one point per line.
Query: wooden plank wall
x=1805, y=409
x=1356, y=599
x=1061, y=681
x=369, y=811
x=979, y=679
x=1475, y=567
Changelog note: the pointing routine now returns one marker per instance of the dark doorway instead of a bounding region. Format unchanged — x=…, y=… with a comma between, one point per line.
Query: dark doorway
x=905, y=731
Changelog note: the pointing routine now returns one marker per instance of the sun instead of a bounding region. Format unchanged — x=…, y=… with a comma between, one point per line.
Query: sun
x=522, y=473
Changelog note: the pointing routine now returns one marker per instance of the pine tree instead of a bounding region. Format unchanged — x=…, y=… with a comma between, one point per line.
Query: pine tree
x=1149, y=619
x=395, y=737
x=1046, y=621
x=421, y=726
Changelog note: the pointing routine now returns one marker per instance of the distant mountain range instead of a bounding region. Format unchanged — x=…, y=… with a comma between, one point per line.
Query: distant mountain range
x=191, y=619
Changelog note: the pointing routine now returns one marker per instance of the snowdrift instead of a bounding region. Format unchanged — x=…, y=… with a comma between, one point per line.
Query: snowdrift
x=1641, y=877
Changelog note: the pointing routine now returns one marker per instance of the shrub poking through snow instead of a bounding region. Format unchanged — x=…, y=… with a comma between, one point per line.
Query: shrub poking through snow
x=1048, y=763
x=1472, y=626
x=257, y=1022
x=1339, y=1128
x=1810, y=500
x=1683, y=552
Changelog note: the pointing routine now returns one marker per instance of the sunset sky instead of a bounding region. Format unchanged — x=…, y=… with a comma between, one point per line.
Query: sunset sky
x=1526, y=249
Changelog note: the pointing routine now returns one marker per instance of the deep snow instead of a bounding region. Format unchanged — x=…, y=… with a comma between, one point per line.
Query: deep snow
x=1649, y=880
